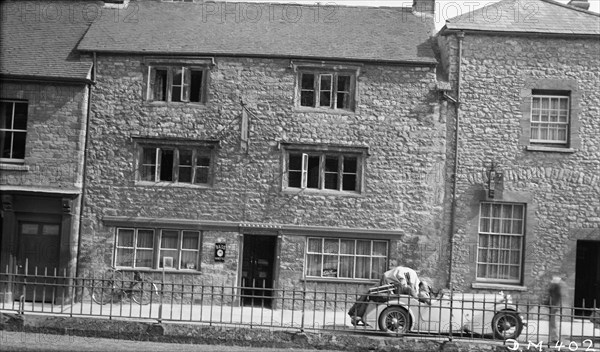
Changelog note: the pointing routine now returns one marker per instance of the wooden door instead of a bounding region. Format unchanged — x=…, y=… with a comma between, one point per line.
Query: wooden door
x=257, y=270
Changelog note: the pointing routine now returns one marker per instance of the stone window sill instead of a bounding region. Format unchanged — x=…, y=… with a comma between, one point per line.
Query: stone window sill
x=308, y=109
x=499, y=287
x=14, y=167
x=319, y=192
x=171, y=185
x=539, y=148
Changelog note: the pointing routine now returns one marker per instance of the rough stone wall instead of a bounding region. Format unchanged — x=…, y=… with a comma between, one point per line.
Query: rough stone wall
x=55, y=135
x=397, y=117
x=562, y=190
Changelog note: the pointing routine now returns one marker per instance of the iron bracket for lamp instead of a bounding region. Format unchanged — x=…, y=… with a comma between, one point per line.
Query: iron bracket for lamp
x=495, y=177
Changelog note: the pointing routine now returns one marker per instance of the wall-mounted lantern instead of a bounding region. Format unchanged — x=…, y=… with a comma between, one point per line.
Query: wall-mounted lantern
x=494, y=179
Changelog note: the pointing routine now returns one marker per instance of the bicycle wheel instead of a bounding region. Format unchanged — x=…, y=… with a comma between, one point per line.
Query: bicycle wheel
x=106, y=288
x=144, y=292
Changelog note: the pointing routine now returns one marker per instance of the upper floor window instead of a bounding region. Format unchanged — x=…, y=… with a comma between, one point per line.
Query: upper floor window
x=185, y=164
x=327, y=90
x=184, y=84
x=157, y=248
x=13, y=130
x=500, y=244
x=343, y=258
x=324, y=169
x=550, y=118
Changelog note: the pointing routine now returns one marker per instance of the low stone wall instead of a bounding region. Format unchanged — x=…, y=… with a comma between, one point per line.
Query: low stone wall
x=235, y=335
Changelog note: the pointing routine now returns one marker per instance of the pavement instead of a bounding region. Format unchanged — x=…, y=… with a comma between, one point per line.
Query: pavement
x=575, y=330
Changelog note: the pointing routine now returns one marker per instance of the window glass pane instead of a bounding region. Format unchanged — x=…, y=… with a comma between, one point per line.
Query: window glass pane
x=29, y=229
x=189, y=260
x=483, y=241
x=331, y=181
x=380, y=248
x=326, y=82
x=343, y=101
x=190, y=240
x=343, y=83
x=125, y=238
x=330, y=264
x=349, y=183
x=6, y=139
x=308, y=81
x=169, y=258
x=347, y=246
x=143, y=258
x=6, y=115
x=177, y=76
x=484, y=225
x=18, y=147
x=196, y=86
x=20, y=118
x=313, y=265
x=325, y=98
x=378, y=268
x=331, y=172
x=346, y=267
x=331, y=246
x=185, y=165
x=124, y=257
x=350, y=164
x=202, y=175
x=169, y=239
x=145, y=239
x=166, y=164
x=325, y=90
x=313, y=172
x=185, y=174
x=315, y=245
x=49, y=229
x=148, y=164
x=160, y=85
x=363, y=268
x=307, y=98
x=331, y=163
x=363, y=247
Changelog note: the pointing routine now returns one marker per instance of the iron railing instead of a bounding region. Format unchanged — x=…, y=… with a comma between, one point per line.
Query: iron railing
x=310, y=306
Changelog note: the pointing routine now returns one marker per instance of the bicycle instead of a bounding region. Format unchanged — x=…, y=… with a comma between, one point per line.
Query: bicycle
x=113, y=287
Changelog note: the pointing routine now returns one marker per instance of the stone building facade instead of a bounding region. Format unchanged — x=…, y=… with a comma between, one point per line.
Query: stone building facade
x=299, y=163
x=527, y=189
x=44, y=103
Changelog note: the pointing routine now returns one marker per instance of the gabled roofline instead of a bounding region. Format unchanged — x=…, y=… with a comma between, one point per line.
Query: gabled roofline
x=424, y=62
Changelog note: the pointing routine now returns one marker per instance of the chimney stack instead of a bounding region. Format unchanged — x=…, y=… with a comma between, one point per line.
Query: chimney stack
x=582, y=4
x=424, y=6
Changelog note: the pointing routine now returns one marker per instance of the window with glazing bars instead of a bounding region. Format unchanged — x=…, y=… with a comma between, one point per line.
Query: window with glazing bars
x=331, y=90
x=549, y=119
x=500, y=243
x=13, y=130
x=324, y=171
x=157, y=248
x=175, y=164
x=345, y=258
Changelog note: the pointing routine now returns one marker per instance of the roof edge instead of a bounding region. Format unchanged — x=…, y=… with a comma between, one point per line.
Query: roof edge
x=554, y=2
x=44, y=79
x=425, y=62
x=448, y=31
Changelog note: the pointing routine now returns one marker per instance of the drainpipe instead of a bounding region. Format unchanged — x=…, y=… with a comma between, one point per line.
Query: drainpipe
x=84, y=162
x=460, y=36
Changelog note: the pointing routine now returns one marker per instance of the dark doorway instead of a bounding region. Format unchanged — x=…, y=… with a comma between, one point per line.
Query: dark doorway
x=257, y=270
x=587, y=276
x=38, y=252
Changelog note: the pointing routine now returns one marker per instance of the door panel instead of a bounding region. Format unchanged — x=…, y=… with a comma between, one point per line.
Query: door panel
x=38, y=253
x=257, y=270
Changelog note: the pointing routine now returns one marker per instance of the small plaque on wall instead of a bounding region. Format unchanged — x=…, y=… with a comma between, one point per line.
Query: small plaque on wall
x=220, y=252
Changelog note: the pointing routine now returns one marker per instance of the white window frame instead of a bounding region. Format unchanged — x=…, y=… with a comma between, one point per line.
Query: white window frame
x=333, y=90
x=537, y=123
x=373, y=256
x=11, y=131
x=504, y=252
x=185, y=86
x=157, y=249
x=323, y=155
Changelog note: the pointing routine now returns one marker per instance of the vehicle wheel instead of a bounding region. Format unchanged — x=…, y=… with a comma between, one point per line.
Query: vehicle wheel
x=394, y=320
x=144, y=292
x=105, y=289
x=507, y=325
